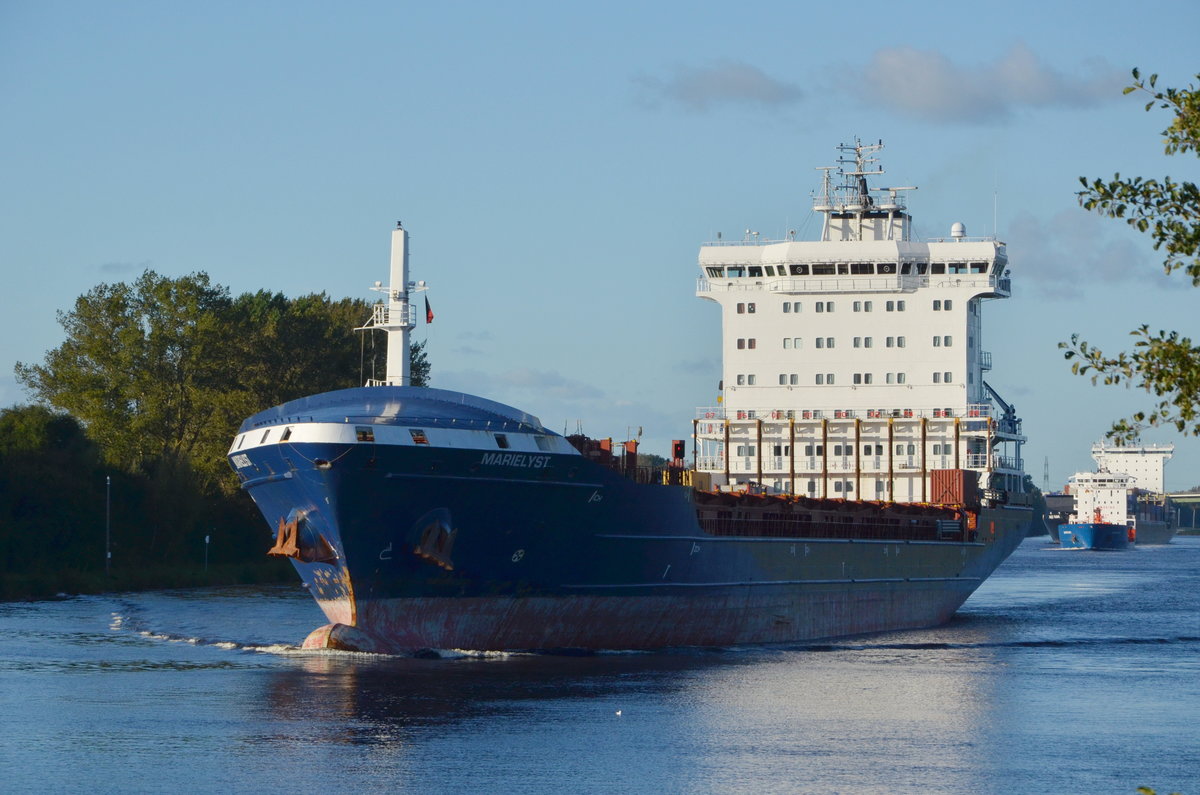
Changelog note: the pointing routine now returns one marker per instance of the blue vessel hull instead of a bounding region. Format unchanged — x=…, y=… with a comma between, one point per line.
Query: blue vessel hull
x=1095, y=535
x=420, y=546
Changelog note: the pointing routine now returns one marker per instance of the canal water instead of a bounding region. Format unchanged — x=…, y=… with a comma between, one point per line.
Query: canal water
x=1068, y=672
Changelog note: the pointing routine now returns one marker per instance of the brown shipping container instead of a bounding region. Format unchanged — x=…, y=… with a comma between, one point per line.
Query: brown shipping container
x=954, y=487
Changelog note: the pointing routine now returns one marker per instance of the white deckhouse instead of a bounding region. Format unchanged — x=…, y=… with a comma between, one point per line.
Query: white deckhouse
x=853, y=366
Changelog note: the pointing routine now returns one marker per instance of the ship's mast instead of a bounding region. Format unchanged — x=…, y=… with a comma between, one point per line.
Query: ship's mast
x=396, y=316
x=399, y=318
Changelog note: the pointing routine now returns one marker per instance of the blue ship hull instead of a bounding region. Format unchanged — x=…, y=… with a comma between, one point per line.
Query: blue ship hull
x=414, y=546
x=1095, y=535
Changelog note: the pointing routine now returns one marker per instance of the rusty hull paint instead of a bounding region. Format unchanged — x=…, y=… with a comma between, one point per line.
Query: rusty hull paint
x=772, y=614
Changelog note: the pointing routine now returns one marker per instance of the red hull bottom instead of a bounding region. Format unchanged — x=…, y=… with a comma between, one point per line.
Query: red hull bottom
x=746, y=615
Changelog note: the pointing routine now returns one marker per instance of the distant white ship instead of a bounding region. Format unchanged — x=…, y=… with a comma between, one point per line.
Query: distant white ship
x=1122, y=502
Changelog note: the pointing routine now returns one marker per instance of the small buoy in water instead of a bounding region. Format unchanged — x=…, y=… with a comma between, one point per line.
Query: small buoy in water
x=618, y=713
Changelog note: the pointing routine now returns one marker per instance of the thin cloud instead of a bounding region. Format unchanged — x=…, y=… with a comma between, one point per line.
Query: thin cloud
x=702, y=88
x=548, y=382
x=124, y=267
x=929, y=86
x=1074, y=250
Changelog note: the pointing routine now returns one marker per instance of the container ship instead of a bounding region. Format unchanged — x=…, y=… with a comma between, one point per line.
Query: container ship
x=1121, y=503
x=856, y=474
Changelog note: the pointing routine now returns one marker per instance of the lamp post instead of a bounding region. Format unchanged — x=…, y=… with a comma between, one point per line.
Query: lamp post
x=107, y=522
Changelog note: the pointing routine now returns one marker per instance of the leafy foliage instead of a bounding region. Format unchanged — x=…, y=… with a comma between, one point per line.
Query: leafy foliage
x=153, y=379
x=1163, y=363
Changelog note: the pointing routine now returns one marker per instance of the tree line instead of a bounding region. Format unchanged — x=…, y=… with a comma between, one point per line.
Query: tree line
x=136, y=409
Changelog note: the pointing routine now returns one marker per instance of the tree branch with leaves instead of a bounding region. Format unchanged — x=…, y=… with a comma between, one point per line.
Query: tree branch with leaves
x=1163, y=363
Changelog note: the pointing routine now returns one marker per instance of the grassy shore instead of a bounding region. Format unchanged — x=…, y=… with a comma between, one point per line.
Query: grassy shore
x=51, y=584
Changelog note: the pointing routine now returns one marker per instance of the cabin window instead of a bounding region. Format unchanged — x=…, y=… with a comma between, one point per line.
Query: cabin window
x=947, y=305
x=266, y=433
x=937, y=306
x=868, y=377
x=787, y=307
x=829, y=342
x=858, y=306
x=890, y=342
x=947, y=378
x=502, y=441
x=866, y=306
x=787, y=343
x=741, y=308
x=858, y=342
x=899, y=342
x=750, y=379
x=750, y=309
x=741, y=343
x=946, y=340
x=829, y=379
x=741, y=380
x=820, y=342
x=783, y=379
x=900, y=378
x=418, y=436
x=937, y=378
x=858, y=378
x=937, y=342
x=544, y=443
x=867, y=342
x=820, y=379
x=753, y=343
x=890, y=377
x=363, y=433
x=794, y=379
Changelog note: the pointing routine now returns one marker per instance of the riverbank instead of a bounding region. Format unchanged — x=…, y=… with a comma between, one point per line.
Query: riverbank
x=19, y=586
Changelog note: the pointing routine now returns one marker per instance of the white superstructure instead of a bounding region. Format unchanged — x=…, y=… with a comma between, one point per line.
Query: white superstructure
x=1101, y=497
x=853, y=366
x=1143, y=463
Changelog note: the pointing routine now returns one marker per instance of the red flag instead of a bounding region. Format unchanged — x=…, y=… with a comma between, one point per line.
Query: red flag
x=428, y=311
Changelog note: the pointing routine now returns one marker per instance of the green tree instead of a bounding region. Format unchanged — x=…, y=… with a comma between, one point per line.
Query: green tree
x=143, y=367
x=1163, y=363
x=418, y=363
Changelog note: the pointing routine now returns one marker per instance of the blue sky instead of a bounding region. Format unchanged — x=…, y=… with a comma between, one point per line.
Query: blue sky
x=558, y=167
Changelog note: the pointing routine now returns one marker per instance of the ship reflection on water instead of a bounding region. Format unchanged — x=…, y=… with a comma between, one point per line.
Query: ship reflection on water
x=914, y=704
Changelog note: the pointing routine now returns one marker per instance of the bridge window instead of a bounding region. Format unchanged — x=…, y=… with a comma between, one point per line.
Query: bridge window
x=799, y=270
x=823, y=269
x=862, y=268
x=937, y=267
x=716, y=272
x=756, y=271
